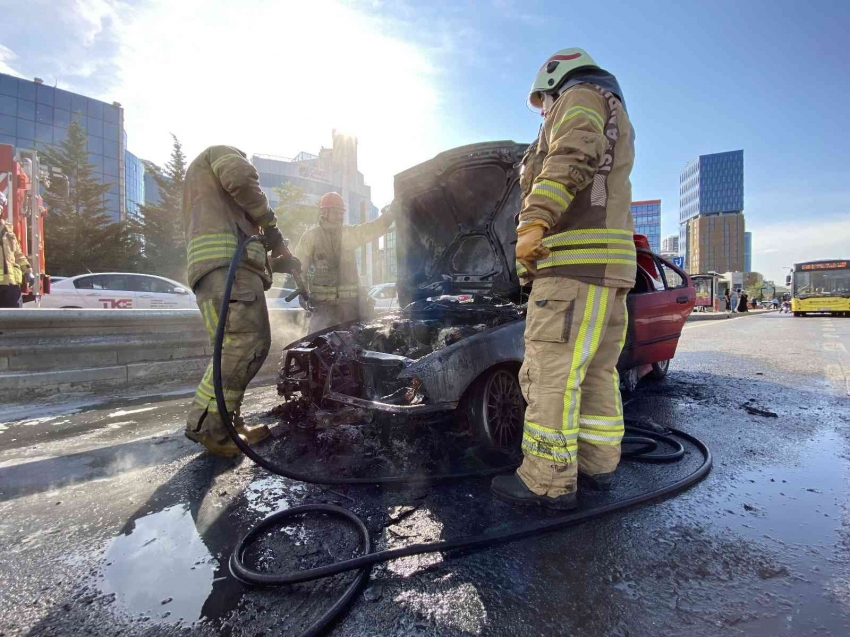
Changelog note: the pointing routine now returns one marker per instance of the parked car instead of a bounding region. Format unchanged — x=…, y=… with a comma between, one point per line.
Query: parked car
x=458, y=343
x=117, y=291
x=386, y=297
x=276, y=299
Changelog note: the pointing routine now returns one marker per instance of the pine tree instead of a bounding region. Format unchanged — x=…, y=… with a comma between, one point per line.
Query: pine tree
x=162, y=223
x=293, y=215
x=79, y=235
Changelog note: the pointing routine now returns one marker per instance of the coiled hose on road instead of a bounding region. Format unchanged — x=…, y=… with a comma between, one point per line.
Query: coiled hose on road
x=647, y=441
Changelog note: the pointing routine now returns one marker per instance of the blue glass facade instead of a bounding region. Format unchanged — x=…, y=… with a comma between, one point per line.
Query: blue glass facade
x=151, y=189
x=33, y=115
x=134, y=182
x=712, y=184
x=748, y=252
x=647, y=217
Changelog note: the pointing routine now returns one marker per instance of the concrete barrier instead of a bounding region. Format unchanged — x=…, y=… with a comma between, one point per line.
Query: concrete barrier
x=46, y=352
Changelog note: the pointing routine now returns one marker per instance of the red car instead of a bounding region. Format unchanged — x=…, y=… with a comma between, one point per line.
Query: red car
x=458, y=342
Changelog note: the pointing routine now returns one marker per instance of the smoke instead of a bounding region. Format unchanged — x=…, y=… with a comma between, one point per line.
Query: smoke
x=287, y=326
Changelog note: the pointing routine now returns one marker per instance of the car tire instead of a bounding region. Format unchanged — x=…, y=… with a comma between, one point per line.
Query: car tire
x=659, y=370
x=495, y=408
x=629, y=380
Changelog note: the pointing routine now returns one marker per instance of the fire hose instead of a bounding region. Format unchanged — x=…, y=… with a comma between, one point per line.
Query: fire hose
x=647, y=442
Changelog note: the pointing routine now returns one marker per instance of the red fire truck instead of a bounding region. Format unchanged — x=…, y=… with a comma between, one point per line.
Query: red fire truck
x=20, y=175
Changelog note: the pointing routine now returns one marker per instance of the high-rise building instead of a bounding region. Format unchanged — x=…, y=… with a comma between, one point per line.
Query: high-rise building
x=670, y=245
x=748, y=252
x=710, y=185
x=333, y=169
x=716, y=243
x=34, y=115
x=647, y=217
x=151, y=189
x=134, y=180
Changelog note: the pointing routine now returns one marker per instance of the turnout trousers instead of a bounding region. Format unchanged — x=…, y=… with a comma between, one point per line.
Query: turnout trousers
x=574, y=334
x=247, y=339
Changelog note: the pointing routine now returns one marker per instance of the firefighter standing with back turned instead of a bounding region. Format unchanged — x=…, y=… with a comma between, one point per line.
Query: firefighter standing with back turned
x=575, y=243
x=223, y=204
x=328, y=250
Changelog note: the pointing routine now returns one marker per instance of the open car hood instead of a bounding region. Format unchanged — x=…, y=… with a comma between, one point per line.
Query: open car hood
x=455, y=228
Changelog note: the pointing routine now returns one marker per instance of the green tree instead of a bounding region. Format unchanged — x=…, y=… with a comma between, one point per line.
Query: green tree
x=293, y=215
x=162, y=223
x=79, y=235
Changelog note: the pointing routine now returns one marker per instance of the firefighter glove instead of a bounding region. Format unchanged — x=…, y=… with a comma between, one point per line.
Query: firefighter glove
x=285, y=265
x=273, y=238
x=30, y=277
x=529, y=245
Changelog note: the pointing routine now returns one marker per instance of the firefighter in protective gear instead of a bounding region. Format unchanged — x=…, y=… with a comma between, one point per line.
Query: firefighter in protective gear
x=327, y=250
x=223, y=204
x=15, y=268
x=575, y=242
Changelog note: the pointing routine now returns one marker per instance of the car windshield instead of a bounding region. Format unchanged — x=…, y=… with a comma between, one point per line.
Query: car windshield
x=820, y=283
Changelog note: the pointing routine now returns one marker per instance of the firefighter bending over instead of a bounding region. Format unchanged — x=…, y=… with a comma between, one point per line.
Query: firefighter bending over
x=575, y=242
x=223, y=204
x=328, y=250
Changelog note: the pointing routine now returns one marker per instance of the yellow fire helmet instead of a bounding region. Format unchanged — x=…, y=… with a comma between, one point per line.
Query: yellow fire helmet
x=555, y=70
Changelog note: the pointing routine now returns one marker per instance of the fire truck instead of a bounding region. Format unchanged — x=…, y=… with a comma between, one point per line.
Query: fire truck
x=21, y=176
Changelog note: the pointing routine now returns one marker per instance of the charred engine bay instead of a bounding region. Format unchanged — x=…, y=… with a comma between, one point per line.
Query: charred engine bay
x=364, y=359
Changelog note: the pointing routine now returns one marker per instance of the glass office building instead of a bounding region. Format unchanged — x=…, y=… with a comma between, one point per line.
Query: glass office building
x=713, y=184
x=748, y=252
x=134, y=180
x=34, y=115
x=647, y=217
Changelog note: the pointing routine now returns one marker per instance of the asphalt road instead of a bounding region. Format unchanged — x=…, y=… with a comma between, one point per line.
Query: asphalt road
x=112, y=523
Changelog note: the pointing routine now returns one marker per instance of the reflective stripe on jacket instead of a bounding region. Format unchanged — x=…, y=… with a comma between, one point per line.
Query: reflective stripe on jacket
x=576, y=179
x=329, y=253
x=14, y=261
x=223, y=203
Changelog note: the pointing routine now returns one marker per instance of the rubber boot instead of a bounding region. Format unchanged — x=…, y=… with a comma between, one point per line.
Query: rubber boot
x=513, y=490
x=598, y=482
x=226, y=449
x=253, y=434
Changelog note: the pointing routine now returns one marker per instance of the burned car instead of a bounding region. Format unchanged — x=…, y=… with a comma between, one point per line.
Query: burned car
x=457, y=344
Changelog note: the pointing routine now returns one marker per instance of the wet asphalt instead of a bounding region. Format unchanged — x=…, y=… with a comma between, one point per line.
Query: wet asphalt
x=112, y=523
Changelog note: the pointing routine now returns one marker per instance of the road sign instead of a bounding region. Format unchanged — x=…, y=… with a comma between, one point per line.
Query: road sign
x=679, y=262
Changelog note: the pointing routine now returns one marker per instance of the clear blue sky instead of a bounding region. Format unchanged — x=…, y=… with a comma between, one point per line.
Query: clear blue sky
x=768, y=76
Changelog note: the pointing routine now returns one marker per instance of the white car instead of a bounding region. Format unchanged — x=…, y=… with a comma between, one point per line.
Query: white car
x=276, y=299
x=117, y=291
x=386, y=297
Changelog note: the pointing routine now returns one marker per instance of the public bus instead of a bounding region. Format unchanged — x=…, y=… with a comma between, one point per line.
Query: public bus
x=821, y=287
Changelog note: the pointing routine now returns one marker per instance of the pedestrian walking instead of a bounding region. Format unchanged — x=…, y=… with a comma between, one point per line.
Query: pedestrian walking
x=733, y=302
x=742, y=302
x=727, y=301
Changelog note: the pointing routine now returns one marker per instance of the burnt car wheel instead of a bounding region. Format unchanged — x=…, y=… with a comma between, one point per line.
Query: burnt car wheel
x=659, y=370
x=496, y=408
x=630, y=380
